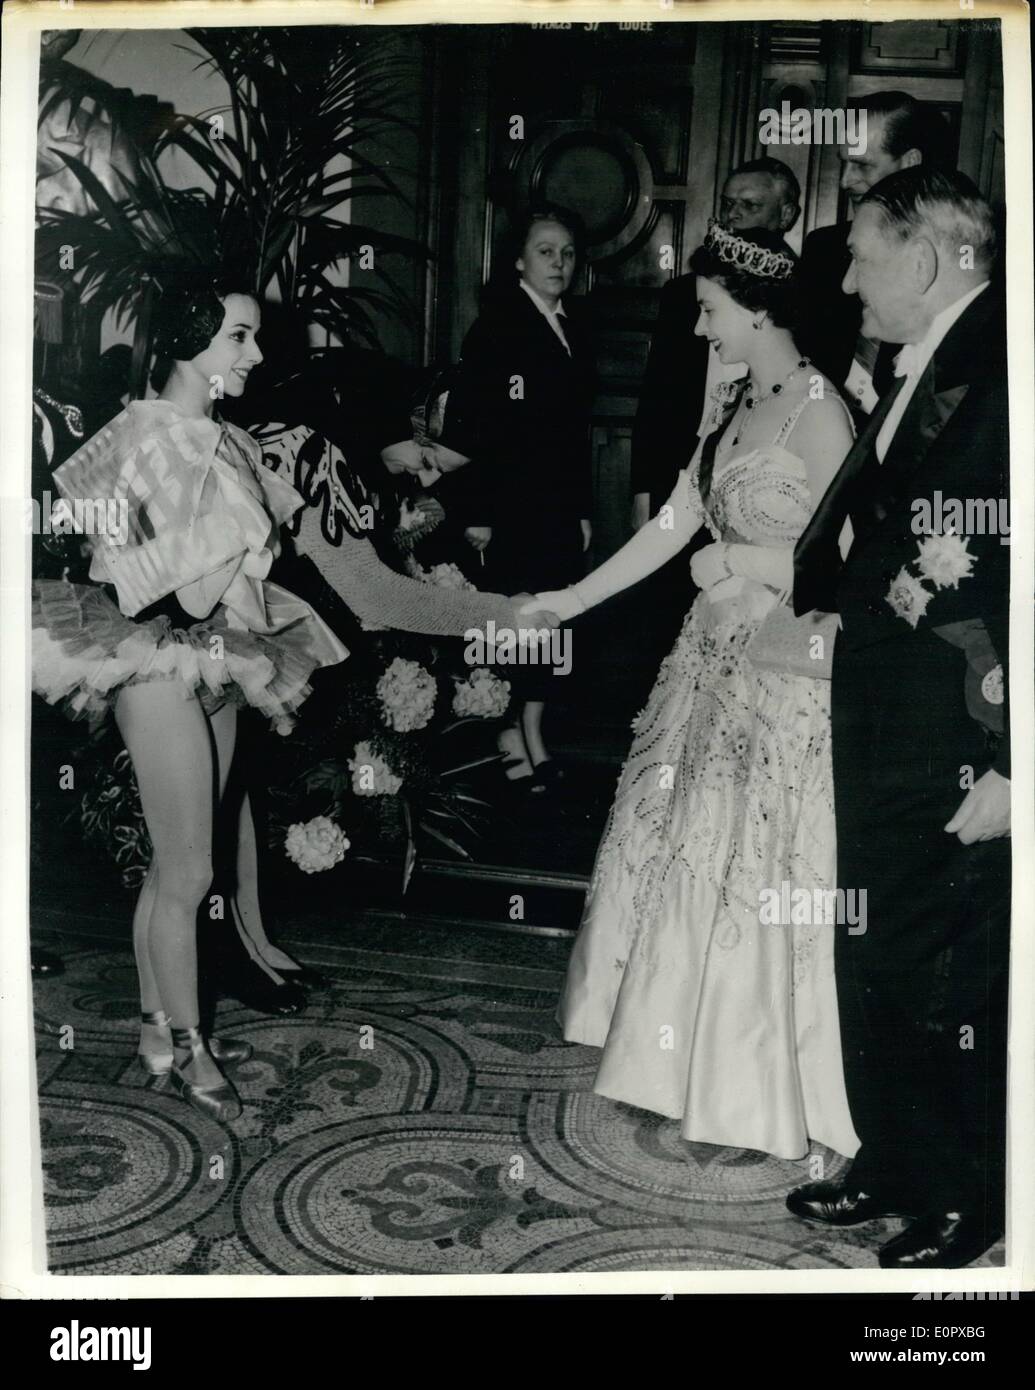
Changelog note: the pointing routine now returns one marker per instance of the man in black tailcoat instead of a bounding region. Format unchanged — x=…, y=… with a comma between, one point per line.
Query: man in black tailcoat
x=920, y=730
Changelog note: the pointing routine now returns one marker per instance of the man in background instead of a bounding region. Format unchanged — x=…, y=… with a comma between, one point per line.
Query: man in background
x=901, y=133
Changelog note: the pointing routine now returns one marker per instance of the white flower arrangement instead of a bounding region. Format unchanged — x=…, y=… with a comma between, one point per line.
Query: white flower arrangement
x=368, y=767
x=407, y=695
x=317, y=845
x=448, y=576
x=481, y=696
x=944, y=560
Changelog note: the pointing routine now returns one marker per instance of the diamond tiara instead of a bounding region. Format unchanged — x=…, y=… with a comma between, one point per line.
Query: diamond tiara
x=744, y=255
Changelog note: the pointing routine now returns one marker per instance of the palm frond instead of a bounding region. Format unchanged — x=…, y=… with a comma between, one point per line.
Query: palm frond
x=477, y=762
x=302, y=102
x=88, y=98
x=446, y=840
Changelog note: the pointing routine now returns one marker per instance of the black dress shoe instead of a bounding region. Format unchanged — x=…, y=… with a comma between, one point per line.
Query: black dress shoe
x=269, y=997
x=942, y=1240
x=45, y=965
x=225, y=970
x=839, y=1204
x=305, y=975
x=547, y=777
x=255, y=989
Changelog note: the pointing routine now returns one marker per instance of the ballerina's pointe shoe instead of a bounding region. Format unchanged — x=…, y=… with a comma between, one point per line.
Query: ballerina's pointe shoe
x=155, y=1053
x=220, y=1102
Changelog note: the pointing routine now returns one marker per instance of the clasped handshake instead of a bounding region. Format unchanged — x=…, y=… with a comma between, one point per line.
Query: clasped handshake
x=547, y=610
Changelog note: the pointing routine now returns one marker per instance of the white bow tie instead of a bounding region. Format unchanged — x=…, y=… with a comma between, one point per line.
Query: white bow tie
x=908, y=363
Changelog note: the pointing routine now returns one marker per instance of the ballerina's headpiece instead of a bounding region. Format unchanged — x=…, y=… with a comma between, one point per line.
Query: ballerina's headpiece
x=740, y=254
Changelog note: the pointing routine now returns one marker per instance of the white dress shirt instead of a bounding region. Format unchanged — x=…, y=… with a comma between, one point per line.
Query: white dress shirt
x=552, y=316
x=912, y=362
x=859, y=385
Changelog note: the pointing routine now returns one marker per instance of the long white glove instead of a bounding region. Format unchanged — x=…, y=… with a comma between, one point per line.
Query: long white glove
x=664, y=535
x=564, y=603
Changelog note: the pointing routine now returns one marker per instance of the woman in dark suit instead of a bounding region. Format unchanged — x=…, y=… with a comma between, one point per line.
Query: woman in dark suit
x=524, y=391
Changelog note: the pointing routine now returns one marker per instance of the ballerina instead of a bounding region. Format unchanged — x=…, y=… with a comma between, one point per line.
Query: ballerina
x=177, y=629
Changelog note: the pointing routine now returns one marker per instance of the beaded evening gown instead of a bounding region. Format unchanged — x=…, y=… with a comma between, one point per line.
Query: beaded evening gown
x=704, y=1013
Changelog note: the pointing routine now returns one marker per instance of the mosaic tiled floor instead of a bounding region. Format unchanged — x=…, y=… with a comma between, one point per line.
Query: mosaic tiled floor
x=421, y=1117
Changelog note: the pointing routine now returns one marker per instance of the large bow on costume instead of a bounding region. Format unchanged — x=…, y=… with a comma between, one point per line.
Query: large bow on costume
x=186, y=507
x=201, y=515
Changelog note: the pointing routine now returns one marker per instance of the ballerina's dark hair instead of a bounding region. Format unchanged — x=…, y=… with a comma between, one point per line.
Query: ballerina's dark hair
x=189, y=314
x=756, y=268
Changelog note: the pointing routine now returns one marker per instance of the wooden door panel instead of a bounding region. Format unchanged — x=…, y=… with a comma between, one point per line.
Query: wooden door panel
x=611, y=445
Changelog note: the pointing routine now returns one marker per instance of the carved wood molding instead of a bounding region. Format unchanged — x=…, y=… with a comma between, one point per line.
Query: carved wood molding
x=787, y=42
x=567, y=157
x=910, y=46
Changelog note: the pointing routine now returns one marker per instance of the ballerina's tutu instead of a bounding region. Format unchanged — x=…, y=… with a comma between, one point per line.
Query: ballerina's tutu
x=202, y=514
x=85, y=650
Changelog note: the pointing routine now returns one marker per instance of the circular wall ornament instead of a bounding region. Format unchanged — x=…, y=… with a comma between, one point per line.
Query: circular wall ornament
x=594, y=168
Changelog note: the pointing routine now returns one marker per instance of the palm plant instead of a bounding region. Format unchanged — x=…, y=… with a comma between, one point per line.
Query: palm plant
x=284, y=153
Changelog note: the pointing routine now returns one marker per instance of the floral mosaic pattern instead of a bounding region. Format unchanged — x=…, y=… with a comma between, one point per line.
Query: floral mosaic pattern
x=414, y=1120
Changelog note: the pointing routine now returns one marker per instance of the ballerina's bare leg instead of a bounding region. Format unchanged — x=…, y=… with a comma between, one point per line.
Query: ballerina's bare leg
x=169, y=742
x=150, y=999
x=154, y=1038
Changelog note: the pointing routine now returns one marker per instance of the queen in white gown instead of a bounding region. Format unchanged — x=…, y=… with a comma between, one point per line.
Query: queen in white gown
x=705, y=1012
